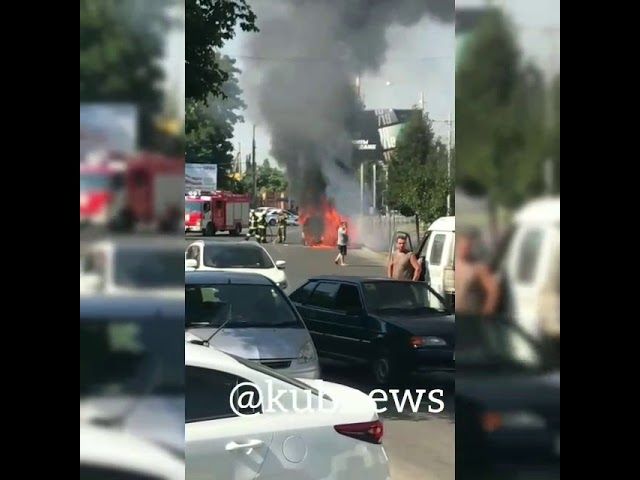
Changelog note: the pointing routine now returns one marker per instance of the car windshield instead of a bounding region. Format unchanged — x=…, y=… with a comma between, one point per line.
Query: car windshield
x=497, y=344
x=244, y=306
x=149, y=267
x=232, y=256
x=131, y=357
x=193, y=207
x=94, y=181
x=390, y=296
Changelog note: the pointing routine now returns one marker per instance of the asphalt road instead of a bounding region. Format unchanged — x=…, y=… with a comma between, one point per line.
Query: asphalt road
x=420, y=445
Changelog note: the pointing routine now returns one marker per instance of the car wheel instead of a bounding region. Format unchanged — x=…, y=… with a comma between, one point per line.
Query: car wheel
x=385, y=371
x=272, y=222
x=381, y=369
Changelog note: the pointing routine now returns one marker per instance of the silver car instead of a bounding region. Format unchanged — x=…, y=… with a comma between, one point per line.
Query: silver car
x=249, y=316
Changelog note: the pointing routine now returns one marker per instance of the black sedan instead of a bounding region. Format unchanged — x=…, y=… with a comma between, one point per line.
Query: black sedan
x=395, y=327
x=507, y=402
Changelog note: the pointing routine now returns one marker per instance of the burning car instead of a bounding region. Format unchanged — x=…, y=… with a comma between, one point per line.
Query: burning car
x=313, y=230
x=320, y=224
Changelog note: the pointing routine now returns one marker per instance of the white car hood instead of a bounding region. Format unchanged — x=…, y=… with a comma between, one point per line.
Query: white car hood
x=256, y=343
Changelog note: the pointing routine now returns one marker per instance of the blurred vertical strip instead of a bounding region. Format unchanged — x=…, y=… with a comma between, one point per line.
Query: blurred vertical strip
x=131, y=249
x=508, y=240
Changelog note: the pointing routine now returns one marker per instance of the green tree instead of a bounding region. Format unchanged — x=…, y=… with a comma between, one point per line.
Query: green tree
x=269, y=179
x=119, y=53
x=500, y=110
x=210, y=23
x=209, y=127
x=418, y=180
x=554, y=134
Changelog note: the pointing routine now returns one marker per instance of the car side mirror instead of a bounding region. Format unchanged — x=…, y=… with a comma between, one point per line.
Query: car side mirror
x=281, y=264
x=190, y=263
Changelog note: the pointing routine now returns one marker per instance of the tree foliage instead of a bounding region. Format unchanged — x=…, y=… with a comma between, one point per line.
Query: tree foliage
x=209, y=126
x=210, y=24
x=269, y=179
x=418, y=178
x=121, y=43
x=500, y=112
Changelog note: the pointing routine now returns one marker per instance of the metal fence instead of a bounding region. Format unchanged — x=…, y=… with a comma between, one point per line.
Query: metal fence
x=376, y=231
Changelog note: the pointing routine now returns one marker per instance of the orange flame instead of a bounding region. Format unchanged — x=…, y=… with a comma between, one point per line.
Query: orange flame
x=331, y=219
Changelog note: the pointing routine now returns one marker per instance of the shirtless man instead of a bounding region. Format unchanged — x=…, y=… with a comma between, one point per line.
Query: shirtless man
x=403, y=264
x=477, y=290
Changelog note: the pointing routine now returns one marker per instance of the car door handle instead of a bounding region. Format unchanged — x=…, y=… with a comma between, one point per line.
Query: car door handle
x=231, y=446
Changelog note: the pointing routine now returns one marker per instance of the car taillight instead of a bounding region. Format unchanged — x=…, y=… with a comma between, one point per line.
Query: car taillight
x=370, y=432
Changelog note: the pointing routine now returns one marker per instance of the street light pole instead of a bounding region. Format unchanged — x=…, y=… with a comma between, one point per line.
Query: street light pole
x=449, y=165
x=253, y=167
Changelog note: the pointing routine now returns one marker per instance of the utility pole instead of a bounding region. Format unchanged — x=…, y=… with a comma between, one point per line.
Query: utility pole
x=375, y=186
x=362, y=188
x=253, y=167
x=449, y=148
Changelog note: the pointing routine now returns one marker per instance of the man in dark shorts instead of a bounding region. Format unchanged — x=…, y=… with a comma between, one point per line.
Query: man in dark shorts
x=343, y=240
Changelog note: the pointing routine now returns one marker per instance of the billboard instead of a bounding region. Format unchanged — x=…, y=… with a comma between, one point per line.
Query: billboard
x=377, y=132
x=200, y=176
x=108, y=127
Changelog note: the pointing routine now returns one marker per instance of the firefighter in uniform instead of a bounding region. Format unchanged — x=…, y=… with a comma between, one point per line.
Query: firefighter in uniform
x=262, y=228
x=253, y=225
x=282, y=227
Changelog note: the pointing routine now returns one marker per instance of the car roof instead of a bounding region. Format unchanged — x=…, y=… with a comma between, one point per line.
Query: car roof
x=163, y=243
x=447, y=224
x=239, y=244
x=351, y=279
x=204, y=277
x=540, y=211
x=100, y=307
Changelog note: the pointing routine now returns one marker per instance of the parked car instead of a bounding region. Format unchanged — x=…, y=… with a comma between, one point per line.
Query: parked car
x=131, y=374
x=246, y=257
x=284, y=444
x=107, y=453
x=258, y=321
x=390, y=325
x=272, y=217
x=133, y=267
x=529, y=261
x=507, y=402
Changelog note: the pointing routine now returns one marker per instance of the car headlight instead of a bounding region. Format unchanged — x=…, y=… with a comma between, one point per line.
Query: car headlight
x=307, y=353
x=418, y=342
x=493, y=421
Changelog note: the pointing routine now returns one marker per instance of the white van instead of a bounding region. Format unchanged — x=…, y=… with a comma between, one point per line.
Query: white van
x=531, y=266
x=436, y=253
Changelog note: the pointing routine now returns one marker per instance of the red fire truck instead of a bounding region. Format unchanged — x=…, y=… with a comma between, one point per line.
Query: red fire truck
x=101, y=189
x=211, y=212
x=143, y=190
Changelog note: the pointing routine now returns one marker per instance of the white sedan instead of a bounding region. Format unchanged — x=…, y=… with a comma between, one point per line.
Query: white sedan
x=247, y=257
x=111, y=453
x=132, y=267
x=338, y=437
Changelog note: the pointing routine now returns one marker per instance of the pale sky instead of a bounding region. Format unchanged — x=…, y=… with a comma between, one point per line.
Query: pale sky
x=420, y=59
